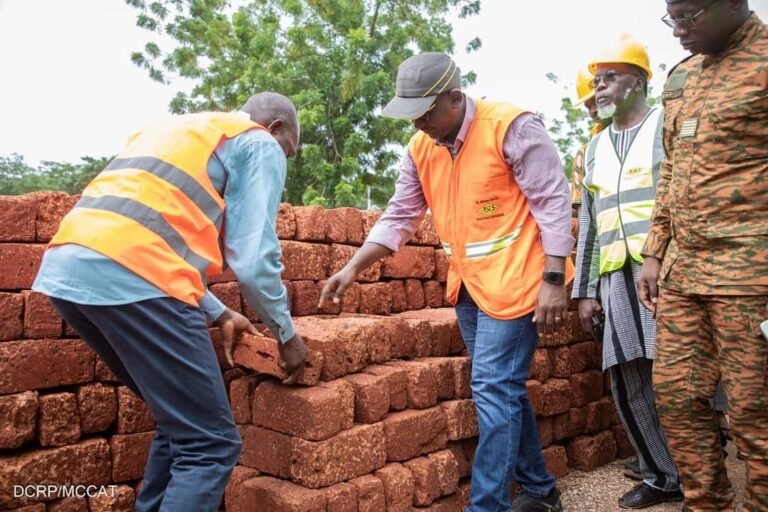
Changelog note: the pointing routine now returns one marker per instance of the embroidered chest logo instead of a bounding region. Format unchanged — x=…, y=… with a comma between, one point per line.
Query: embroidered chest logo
x=488, y=209
x=636, y=171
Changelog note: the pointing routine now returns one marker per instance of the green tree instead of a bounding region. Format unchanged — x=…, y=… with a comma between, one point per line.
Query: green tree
x=336, y=59
x=18, y=177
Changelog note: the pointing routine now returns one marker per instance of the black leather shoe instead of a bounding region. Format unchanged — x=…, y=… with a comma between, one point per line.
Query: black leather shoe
x=643, y=495
x=632, y=469
x=549, y=503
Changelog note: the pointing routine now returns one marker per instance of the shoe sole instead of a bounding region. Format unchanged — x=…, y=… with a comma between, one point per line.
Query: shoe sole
x=657, y=502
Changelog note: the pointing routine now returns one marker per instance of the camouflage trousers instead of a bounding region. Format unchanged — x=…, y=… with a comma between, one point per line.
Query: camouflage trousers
x=700, y=338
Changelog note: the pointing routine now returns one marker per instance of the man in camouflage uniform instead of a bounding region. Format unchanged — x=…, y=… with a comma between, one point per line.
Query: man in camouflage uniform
x=707, y=249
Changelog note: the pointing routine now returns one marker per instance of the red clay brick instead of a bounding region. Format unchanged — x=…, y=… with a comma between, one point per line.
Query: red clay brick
x=433, y=293
x=577, y=421
x=461, y=419
x=311, y=223
x=446, y=336
x=410, y=263
x=441, y=266
x=122, y=500
x=608, y=413
x=624, y=447
x=133, y=414
x=347, y=394
x=38, y=507
x=371, y=396
x=349, y=454
x=11, y=315
x=129, y=455
x=555, y=397
x=540, y=368
x=51, y=208
x=446, y=376
x=545, y=431
x=570, y=332
x=416, y=343
x=464, y=464
x=396, y=382
x=344, y=342
x=462, y=369
x=561, y=426
x=266, y=450
x=341, y=254
x=304, y=261
x=398, y=487
x=414, y=294
x=58, y=421
x=229, y=294
x=533, y=390
x=370, y=491
x=309, y=413
x=447, y=470
x=586, y=453
x=68, y=505
x=261, y=354
x=586, y=387
x=426, y=234
x=18, y=414
x=37, y=364
x=369, y=218
x=584, y=356
x=267, y=493
x=17, y=218
x=240, y=475
x=345, y=226
x=557, y=461
x=375, y=299
x=286, y=222
x=341, y=498
x=102, y=373
x=399, y=300
x=241, y=397
x=592, y=415
x=85, y=463
x=426, y=484
x=41, y=320
x=560, y=362
x=19, y=264
x=306, y=295
x=422, y=383
x=97, y=404
x=412, y=433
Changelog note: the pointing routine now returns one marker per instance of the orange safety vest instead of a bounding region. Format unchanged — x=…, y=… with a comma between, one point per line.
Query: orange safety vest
x=154, y=210
x=482, y=217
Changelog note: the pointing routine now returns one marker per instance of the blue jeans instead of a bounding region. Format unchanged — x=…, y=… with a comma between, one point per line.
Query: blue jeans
x=161, y=350
x=509, y=447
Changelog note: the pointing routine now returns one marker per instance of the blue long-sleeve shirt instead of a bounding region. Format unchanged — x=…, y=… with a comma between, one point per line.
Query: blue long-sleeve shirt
x=249, y=173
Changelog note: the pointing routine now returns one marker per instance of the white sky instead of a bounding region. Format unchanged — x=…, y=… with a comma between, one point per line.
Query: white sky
x=68, y=88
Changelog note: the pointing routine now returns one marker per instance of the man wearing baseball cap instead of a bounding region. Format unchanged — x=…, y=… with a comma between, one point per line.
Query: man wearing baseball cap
x=493, y=181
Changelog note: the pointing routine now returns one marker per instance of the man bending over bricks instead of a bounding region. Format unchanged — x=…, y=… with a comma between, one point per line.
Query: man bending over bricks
x=493, y=181
x=127, y=271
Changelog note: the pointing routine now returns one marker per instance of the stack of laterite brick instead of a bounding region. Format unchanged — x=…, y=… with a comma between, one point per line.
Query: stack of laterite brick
x=382, y=419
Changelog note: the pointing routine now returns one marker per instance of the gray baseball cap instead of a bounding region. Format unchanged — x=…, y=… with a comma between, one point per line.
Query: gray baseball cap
x=419, y=80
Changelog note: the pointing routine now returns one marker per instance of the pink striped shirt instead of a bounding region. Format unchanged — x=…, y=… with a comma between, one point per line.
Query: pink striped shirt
x=532, y=158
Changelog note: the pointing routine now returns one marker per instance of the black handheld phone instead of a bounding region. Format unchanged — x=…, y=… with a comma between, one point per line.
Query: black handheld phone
x=597, y=327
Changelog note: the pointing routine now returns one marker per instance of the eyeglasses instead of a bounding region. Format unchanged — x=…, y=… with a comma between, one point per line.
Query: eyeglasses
x=608, y=77
x=689, y=21
x=427, y=115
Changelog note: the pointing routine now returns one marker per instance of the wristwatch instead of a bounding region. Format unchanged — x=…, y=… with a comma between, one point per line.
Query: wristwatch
x=556, y=278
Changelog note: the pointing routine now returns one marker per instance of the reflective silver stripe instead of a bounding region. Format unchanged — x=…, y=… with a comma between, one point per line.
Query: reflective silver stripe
x=481, y=249
x=175, y=176
x=447, y=249
x=626, y=196
x=150, y=219
x=631, y=228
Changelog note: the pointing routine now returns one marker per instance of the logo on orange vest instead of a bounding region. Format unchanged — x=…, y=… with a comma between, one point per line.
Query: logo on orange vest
x=488, y=209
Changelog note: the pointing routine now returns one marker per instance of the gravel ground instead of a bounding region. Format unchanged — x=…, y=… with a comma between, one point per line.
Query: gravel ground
x=599, y=490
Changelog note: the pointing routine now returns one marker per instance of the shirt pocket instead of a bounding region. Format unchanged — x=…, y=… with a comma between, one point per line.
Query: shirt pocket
x=741, y=126
x=738, y=243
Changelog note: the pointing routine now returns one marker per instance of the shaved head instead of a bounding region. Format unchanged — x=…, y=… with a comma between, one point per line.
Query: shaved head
x=277, y=114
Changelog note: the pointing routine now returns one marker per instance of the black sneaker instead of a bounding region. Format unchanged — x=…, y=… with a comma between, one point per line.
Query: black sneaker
x=643, y=495
x=549, y=503
x=632, y=469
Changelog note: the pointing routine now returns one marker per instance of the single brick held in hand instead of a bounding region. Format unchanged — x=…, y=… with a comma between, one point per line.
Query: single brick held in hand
x=261, y=354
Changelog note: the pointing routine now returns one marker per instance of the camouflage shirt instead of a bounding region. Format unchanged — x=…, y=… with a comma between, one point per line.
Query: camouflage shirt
x=710, y=226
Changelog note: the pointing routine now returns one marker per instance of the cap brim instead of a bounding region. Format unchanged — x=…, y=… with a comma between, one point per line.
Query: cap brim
x=584, y=99
x=407, y=108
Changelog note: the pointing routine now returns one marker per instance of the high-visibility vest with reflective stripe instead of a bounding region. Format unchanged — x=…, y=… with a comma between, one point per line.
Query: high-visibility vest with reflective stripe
x=482, y=217
x=624, y=194
x=154, y=210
